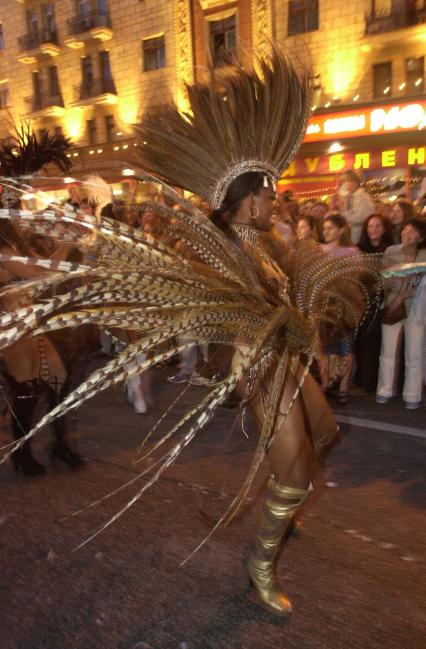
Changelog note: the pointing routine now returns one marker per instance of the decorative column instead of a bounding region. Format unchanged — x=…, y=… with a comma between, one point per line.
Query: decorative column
x=262, y=26
x=183, y=50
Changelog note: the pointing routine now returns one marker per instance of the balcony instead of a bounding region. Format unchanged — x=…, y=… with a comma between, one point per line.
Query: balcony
x=98, y=92
x=42, y=41
x=398, y=26
x=93, y=25
x=44, y=105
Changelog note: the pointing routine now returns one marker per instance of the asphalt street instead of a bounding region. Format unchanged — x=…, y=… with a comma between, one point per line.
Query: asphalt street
x=356, y=574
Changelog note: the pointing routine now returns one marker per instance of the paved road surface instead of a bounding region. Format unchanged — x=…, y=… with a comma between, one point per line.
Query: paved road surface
x=356, y=575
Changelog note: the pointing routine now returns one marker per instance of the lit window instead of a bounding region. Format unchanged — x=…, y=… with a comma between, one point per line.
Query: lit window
x=414, y=76
x=223, y=40
x=382, y=80
x=154, y=53
x=303, y=16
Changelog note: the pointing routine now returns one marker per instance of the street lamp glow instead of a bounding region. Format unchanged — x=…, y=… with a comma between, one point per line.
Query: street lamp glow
x=335, y=147
x=68, y=180
x=356, y=97
x=386, y=90
x=418, y=82
x=128, y=172
x=401, y=86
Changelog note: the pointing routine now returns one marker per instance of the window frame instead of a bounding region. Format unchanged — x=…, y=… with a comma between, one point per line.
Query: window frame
x=225, y=57
x=85, y=67
x=4, y=96
x=92, y=131
x=410, y=86
x=309, y=13
x=154, y=49
x=53, y=81
x=109, y=123
x=378, y=94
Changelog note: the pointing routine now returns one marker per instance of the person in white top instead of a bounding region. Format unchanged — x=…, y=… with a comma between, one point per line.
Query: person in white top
x=357, y=204
x=410, y=321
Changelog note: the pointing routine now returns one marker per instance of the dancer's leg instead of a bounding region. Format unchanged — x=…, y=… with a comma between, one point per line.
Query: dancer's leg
x=291, y=457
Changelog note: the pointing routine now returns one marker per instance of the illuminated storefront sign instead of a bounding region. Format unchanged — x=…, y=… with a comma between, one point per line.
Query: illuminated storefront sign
x=358, y=160
x=368, y=121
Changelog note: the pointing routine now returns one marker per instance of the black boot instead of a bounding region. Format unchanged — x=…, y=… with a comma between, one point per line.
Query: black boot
x=60, y=448
x=24, y=400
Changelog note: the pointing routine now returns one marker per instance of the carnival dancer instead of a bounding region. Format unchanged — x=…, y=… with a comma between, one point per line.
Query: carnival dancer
x=31, y=368
x=242, y=289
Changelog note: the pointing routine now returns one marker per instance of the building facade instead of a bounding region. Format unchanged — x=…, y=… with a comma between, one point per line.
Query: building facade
x=92, y=67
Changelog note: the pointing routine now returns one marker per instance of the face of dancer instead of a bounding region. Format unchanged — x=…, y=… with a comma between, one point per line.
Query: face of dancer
x=331, y=232
x=375, y=230
x=264, y=205
x=303, y=231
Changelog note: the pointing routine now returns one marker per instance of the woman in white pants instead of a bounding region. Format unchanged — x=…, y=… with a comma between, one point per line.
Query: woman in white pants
x=402, y=292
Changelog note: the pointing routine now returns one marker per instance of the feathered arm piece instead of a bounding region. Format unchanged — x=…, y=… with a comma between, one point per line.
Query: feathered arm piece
x=402, y=270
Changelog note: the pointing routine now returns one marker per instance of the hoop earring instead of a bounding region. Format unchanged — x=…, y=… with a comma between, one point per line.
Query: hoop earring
x=254, y=214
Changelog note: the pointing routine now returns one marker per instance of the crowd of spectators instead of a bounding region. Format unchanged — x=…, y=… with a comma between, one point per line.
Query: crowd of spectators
x=390, y=352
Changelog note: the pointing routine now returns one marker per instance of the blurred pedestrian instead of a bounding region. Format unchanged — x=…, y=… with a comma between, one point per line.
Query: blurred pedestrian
x=376, y=236
x=357, y=204
x=399, y=317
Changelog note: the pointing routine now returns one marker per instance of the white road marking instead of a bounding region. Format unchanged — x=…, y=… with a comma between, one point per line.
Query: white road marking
x=381, y=425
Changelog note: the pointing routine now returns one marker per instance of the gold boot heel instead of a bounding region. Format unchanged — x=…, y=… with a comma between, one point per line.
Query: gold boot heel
x=278, y=510
x=268, y=590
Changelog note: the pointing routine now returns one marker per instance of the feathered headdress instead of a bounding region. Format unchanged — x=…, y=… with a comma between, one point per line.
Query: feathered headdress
x=248, y=121
x=25, y=153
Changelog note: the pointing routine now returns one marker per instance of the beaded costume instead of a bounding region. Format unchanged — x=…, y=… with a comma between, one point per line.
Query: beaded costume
x=249, y=121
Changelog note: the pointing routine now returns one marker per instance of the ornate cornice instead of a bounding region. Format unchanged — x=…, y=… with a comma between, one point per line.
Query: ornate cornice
x=262, y=26
x=214, y=4
x=183, y=49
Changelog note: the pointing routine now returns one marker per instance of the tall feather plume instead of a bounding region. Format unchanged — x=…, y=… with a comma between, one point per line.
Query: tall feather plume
x=251, y=120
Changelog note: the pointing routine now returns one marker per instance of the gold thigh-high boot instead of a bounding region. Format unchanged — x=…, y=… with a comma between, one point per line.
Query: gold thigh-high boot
x=280, y=505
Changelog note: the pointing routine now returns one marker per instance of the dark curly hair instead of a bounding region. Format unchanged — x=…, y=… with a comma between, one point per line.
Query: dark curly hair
x=248, y=183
